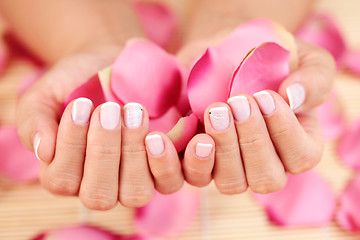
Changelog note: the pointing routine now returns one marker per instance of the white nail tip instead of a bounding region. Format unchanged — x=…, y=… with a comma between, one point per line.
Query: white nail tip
x=36, y=145
x=296, y=95
x=133, y=115
x=219, y=117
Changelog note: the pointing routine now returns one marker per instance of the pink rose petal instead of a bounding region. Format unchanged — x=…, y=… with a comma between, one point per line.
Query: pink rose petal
x=321, y=29
x=91, y=89
x=167, y=214
x=306, y=200
x=84, y=232
x=4, y=55
x=252, y=34
x=332, y=118
x=184, y=130
x=16, y=161
x=264, y=68
x=348, y=215
x=146, y=74
x=209, y=81
x=349, y=146
x=183, y=104
x=165, y=122
x=352, y=62
x=159, y=22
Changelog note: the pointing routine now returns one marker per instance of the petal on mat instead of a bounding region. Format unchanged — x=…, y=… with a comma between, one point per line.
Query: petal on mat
x=263, y=68
x=184, y=130
x=352, y=62
x=158, y=21
x=30, y=79
x=77, y=233
x=252, y=34
x=306, y=200
x=167, y=215
x=332, y=118
x=321, y=30
x=165, y=122
x=209, y=81
x=16, y=161
x=348, y=147
x=146, y=74
x=348, y=215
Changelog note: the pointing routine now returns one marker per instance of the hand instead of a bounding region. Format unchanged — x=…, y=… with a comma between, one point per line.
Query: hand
x=96, y=154
x=254, y=141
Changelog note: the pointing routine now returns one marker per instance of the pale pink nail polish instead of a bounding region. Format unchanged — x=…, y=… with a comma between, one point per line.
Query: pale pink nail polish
x=110, y=115
x=36, y=145
x=133, y=115
x=240, y=107
x=81, y=110
x=296, y=95
x=203, y=150
x=219, y=117
x=265, y=102
x=155, y=144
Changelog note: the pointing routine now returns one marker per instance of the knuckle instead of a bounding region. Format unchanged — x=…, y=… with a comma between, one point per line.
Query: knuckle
x=231, y=187
x=253, y=141
x=267, y=184
x=284, y=129
x=66, y=185
x=133, y=150
x=104, y=151
x=98, y=200
x=170, y=189
x=228, y=151
x=304, y=162
x=197, y=172
x=136, y=198
x=165, y=173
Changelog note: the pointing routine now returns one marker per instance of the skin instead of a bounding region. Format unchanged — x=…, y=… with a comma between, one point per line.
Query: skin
x=103, y=167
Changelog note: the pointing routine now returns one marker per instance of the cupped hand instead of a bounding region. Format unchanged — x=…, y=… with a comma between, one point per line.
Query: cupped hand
x=254, y=141
x=103, y=155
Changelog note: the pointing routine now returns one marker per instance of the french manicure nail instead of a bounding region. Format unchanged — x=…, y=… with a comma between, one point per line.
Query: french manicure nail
x=155, y=144
x=203, y=150
x=296, y=95
x=81, y=110
x=265, y=101
x=110, y=115
x=240, y=107
x=133, y=115
x=36, y=145
x=219, y=117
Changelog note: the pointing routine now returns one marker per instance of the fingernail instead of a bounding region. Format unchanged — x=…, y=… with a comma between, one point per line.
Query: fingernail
x=296, y=95
x=203, y=150
x=133, y=115
x=219, y=117
x=155, y=144
x=110, y=115
x=36, y=145
x=265, y=101
x=240, y=107
x=81, y=110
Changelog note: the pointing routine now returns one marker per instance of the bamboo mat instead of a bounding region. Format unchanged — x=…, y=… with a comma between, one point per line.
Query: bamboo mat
x=26, y=210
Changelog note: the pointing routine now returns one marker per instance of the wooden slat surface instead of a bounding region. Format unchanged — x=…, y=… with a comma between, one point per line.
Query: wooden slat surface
x=26, y=210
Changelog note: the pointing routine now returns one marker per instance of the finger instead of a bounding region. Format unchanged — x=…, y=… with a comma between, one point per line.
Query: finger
x=63, y=175
x=298, y=150
x=37, y=121
x=311, y=84
x=136, y=184
x=164, y=163
x=228, y=174
x=264, y=170
x=99, y=186
x=198, y=161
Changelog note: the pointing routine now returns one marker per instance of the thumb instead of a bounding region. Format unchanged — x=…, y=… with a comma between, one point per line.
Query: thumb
x=37, y=120
x=311, y=84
